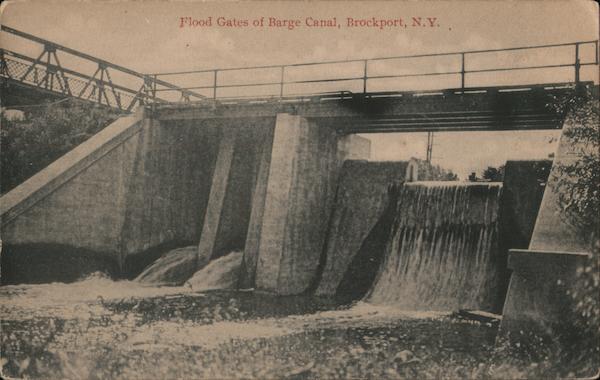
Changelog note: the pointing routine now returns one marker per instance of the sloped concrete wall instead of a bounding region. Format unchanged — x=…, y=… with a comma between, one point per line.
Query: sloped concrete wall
x=359, y=202
x=79, y=199
x=552, y=230
x=135, y=187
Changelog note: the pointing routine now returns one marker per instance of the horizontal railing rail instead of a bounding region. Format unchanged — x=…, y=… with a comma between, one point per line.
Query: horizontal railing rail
x=366, y=74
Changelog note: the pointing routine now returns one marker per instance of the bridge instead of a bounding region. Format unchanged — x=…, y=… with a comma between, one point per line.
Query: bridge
x=455, y=91
x=26, y=79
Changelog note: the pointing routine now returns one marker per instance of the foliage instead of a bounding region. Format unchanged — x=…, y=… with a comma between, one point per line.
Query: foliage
x=578, y=190
x=45, y=133
x=578, y=182
x=432, y=172
x=493, y=174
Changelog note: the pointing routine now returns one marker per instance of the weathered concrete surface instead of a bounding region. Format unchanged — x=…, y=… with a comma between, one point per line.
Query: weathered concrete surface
x=218, y=190
x=130, y=193
x=360, y=199
x=537, y=305
x=537, y=301
x=552, y=231
x=524, y=184
x=299, y=197
x=77, y=203
x=229, y=207
x=523, y=189
x=259, y=196
x=170, y=185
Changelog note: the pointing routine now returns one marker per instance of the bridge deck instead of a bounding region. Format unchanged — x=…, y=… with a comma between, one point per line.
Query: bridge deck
x=475, y=109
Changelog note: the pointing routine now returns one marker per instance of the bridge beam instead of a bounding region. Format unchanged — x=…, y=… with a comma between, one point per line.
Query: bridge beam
x=485, y=109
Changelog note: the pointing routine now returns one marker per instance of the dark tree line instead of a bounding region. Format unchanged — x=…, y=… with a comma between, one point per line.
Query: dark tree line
x=43, y=134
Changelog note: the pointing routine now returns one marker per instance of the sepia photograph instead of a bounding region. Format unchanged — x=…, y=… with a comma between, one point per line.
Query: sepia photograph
x=299, y=189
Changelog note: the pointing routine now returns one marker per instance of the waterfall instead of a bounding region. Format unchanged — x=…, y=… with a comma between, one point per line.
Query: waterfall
x=220, y=273
x=442, y=250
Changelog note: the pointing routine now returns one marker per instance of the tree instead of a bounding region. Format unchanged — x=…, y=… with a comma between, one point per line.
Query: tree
x=578, y=183
x=493, y=174
x=45, y=133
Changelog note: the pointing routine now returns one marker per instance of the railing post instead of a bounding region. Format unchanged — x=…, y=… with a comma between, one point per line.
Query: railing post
x=154, y=77
x=100, y=83
x=215, y=84
x=577, y=63
x=462, y=71
x=281, y=82
x=147, y=88
x=365, y=68
x=3, y=65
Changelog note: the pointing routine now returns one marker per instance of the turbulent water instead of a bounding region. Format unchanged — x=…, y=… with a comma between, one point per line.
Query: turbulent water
x=98, y=328
x=221, y=273
x=173, y=268
x=442, y=250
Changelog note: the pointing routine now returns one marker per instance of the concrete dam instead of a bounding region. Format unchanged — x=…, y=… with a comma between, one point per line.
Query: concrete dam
x=281, y=198
x=301, y=201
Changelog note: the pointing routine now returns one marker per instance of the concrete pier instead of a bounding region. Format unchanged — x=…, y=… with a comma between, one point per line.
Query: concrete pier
x=300, y=187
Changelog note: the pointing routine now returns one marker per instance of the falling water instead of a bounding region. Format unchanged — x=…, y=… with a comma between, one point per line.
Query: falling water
x=173, y=268
x=442, y=250
x=221, y=273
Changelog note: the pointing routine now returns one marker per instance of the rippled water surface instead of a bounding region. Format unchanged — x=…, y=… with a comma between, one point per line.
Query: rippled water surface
x=99, y=328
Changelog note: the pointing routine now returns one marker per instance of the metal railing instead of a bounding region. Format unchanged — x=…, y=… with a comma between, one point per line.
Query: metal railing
x=47, y=73
x=365, y=76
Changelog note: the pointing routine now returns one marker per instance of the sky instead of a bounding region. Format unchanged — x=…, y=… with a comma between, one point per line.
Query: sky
x=148, y=37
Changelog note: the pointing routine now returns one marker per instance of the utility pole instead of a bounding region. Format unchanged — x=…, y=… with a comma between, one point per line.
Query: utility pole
x=429, y=146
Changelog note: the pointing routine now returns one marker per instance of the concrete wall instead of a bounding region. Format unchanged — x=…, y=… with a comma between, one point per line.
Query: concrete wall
x=537, y=301
x=71, y=210
x=523, y=189
x=137, y=188
x=234, y=181
x=169, y=189
x=360, y=199
x=524, y=185
x=79, y=199
x=537, y=305
x=552, y=231
x=299, y=195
